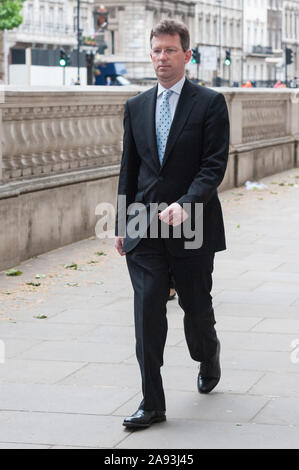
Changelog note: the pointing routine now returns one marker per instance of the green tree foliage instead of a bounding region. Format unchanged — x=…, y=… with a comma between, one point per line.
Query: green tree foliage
x=10, y=13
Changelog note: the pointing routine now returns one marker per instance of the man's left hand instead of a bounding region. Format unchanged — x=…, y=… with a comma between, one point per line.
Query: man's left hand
x=173, y=215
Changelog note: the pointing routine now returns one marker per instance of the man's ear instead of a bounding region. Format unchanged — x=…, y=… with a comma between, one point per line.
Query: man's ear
x=188, y=56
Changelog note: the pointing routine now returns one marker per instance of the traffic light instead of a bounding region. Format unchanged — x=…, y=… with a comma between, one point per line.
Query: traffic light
x=289, y=56
x=195, y=56
x=62, y=58
x=228, y=60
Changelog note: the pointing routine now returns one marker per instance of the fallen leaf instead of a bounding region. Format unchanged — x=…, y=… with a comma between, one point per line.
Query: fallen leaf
x=40, y=317
x=71, y=266
x=13, y=272
x=35, y=284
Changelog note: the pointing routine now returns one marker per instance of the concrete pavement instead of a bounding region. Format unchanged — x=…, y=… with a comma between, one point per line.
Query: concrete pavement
x=68, y=380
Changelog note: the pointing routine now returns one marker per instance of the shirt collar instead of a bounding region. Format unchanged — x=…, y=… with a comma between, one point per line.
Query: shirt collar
x=176, y=88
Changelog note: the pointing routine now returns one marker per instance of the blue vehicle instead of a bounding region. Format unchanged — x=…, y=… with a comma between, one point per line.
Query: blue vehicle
x=111, y=73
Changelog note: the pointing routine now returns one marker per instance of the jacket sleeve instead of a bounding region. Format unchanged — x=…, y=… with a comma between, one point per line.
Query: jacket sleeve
x=215, y=153
x=128, y=177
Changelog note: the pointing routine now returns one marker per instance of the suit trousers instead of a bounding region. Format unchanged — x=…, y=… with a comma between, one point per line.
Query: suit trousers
x=149, y=264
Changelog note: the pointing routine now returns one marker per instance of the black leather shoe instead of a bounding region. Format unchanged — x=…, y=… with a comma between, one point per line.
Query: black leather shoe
x=209, y=373
x=144, y=419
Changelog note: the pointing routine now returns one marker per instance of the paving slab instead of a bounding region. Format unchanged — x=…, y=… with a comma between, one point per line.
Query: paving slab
x=280, y=411
x=232, y=381
x=214, y=406
x=30, y=371
x=262, y=311
x=277, y=384
x=187, y=434
x=63, y=398
x=60, y=429
x=66, y=351
x=256, y=341
x=278, y=325
x=119, y=376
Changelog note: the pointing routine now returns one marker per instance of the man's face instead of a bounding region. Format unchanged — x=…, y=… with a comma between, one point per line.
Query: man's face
x=168, y=58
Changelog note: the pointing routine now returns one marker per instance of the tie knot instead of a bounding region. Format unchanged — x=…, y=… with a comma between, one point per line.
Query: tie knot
x=166, y=94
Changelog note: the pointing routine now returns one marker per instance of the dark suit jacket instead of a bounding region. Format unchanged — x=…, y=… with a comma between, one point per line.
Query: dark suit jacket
x=193, y=166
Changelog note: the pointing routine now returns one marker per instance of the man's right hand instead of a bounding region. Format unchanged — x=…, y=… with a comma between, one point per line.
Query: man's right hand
x=119, y=245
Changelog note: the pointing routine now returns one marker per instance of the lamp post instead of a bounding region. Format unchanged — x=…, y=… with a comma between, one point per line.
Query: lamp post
x=101, y=23
x=219, y=44
x=78, y=42
x=242, y=45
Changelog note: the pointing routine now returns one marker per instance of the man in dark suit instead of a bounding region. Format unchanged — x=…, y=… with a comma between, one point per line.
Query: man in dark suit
x=176, y=143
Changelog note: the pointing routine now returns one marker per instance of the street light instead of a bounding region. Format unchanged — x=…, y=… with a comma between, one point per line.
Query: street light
x=101, y=23
x=79, y=35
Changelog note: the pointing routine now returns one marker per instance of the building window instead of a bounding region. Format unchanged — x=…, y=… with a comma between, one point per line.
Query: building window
x=60, y=19
x=42, y=17
x=51, y=17
x=30, y=14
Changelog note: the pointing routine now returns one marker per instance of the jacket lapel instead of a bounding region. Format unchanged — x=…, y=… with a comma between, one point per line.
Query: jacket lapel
x=150, y=123
x=183, y=109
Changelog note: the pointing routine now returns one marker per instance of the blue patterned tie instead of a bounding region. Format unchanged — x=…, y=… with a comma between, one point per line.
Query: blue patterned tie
x=163, y=125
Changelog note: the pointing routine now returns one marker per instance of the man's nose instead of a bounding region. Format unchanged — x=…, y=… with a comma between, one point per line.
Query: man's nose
x=163, y=54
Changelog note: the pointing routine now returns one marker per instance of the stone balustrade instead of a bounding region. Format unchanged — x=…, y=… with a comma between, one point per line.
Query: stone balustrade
x=61, y=148
x=53, y=131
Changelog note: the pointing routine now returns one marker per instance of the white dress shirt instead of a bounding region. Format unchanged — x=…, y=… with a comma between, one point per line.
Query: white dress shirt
x=173, y=99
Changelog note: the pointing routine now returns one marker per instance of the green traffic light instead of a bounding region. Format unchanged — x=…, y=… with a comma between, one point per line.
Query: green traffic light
x=193, y=61
x=227, y=62
x=62, y=62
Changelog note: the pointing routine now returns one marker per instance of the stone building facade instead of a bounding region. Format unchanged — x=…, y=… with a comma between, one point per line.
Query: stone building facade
x=275, y=64
x=129, y=26
x=130, y=23
x=256, y=46
x=218, y=28
x=290, y=37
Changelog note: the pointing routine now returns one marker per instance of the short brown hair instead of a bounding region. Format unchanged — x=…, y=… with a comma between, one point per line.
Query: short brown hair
x=172, y=27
